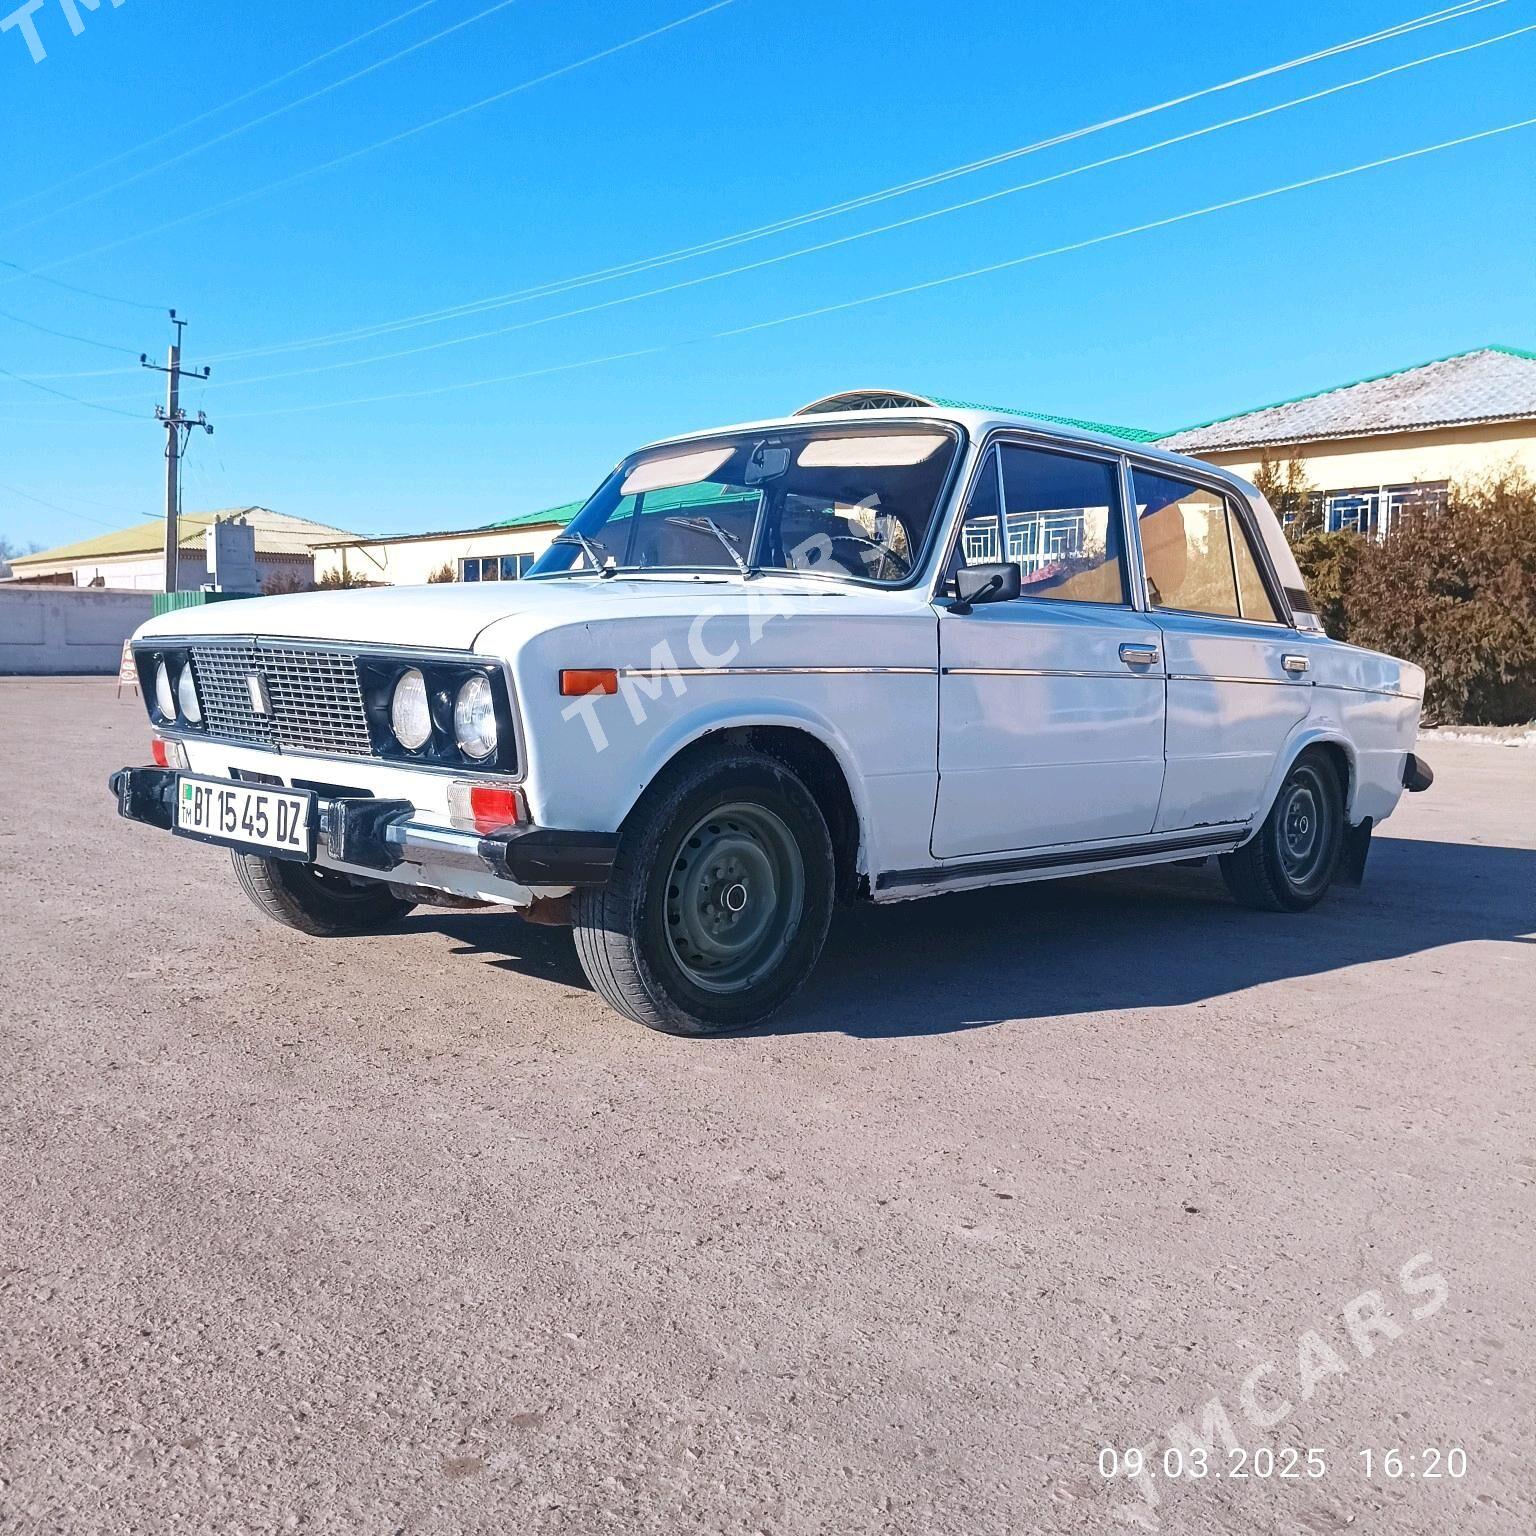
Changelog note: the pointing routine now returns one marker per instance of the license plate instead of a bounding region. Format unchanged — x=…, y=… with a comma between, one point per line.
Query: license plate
x=279, y=822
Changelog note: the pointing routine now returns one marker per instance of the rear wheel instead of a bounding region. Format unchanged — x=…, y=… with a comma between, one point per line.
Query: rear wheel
x=719, y=900
x=317, y=901
x=1291, y=861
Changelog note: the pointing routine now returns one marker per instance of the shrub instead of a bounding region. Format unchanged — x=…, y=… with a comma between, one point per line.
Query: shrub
x=1289, y=490
x=1455, y=591
x=1330, y=563
x=444, y=572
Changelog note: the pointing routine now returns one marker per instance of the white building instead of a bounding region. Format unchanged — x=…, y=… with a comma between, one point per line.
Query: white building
x=133, y=558
x=500, y=551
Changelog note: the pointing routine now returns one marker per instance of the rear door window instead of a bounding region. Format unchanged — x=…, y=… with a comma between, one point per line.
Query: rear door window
x=1197, y=551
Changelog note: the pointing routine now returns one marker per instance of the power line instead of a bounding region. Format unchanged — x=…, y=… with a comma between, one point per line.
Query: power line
x=90, y=405
x=555, y=287
x=914, y=219
x=256, y=122
x=89, y=293
x=53, y=506
x=88, y=341
x=631, y=268
x=202, y=117
x=911, y=288
x=1135, y=229
x=436, y=122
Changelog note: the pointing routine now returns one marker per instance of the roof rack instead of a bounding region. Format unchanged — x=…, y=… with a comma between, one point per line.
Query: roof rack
x=864, y=400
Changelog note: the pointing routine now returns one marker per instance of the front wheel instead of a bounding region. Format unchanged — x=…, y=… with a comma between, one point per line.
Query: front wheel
x=319, y=902
x=1288, y=865
x=719, y=900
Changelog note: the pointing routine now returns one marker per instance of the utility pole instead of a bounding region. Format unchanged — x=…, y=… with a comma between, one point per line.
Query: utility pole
x=178, y=428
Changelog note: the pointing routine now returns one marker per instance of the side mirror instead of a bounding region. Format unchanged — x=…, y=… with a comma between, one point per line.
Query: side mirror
x=999, y=583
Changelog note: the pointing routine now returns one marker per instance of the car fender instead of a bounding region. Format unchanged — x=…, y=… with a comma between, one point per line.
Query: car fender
x=1319, y=728
x=684, y=730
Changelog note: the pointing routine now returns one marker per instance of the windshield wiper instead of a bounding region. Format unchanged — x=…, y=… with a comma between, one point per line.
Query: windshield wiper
x=593, y=552
x=728, y=541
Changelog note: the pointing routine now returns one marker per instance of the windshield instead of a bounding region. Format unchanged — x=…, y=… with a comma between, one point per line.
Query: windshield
x=838, y=501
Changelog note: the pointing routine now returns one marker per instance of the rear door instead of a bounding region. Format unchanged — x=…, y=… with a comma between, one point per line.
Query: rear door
x=1238, y=681
x=1050, y=706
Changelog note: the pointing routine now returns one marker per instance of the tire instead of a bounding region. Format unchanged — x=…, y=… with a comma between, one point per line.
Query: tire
x=317, y=901
x=1288, y=865
x=719, y=900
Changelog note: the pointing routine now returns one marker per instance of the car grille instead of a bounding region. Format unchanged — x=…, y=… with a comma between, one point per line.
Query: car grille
x=315, y=700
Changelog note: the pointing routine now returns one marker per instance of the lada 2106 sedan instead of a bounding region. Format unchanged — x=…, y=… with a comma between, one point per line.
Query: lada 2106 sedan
x=850, y=654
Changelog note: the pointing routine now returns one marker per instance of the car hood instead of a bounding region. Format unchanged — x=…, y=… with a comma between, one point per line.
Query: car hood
x=451, y=615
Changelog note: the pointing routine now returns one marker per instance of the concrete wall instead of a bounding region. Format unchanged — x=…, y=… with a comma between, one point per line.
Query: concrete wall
x=408, y=562
x=52, y=630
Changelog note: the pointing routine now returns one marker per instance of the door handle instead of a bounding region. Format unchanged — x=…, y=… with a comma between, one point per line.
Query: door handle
x=1138, y=655
x=1294, y=663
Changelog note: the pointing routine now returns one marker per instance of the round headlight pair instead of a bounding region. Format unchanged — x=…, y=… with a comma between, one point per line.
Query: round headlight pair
x=185, y=694
x=474, y=715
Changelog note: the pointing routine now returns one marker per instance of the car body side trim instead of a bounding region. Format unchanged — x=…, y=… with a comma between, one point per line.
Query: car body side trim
x=1375, y=693
x=1258, y=682
x=778, y=672
x=1125, y=671
x=974, y=869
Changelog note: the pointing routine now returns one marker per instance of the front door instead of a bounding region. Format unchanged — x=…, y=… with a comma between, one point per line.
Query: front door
x=1233, y=696
x=1050, y=706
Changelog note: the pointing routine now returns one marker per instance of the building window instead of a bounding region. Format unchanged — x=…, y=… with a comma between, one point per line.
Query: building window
x=494, y=567
x=1352, y=511
x=1373, y=509
x=1427, y=496
x=1314, y=508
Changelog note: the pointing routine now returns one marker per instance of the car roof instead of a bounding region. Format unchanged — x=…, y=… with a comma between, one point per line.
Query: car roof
x=977, y=421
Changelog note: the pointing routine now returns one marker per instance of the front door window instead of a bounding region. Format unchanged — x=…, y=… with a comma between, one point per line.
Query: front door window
x=1054, y=515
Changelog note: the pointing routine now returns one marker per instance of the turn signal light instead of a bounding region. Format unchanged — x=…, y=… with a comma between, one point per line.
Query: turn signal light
x=491, y=808
x=576, y=682
x=486, y=807
x=168, y=754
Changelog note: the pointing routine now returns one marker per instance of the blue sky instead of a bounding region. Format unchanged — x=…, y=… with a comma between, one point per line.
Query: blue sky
x=754, y=112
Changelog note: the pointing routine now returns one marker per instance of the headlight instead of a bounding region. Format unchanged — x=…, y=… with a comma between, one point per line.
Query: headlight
x=410, y=715
x=165, y=700
x=186, y=696
x=474, y=718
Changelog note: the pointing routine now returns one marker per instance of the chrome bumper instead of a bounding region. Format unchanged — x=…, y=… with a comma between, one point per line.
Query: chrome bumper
x=369, y=833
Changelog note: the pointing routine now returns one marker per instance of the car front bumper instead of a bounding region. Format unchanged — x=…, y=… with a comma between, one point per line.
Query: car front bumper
x=364, y=832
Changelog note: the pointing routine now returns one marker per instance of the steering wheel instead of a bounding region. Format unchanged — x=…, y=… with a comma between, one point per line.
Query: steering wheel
x=885, y=552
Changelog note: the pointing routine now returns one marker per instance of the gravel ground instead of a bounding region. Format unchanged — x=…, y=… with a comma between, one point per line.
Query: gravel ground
x=409, y=1234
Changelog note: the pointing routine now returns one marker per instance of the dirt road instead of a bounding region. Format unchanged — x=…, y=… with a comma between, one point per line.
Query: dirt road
x=411, y=1234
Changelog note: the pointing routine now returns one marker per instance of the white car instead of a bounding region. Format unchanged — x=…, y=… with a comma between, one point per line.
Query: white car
x=872, y=651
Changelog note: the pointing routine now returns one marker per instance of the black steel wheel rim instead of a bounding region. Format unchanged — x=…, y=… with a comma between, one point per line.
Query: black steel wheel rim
x=1305, y=828
x=735, y=895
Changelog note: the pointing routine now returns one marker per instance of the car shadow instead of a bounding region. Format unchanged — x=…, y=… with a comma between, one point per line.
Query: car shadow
x=1146, y=939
